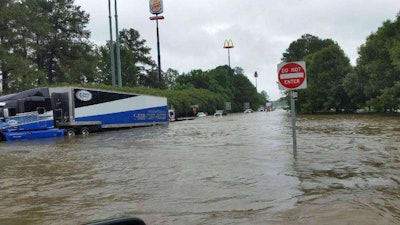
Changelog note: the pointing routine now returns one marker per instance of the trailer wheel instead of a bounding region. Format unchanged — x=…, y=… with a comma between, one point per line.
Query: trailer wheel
x=85, y=131
x=70, y=132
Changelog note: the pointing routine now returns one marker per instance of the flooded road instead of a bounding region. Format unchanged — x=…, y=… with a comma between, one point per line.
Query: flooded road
x=236, y=169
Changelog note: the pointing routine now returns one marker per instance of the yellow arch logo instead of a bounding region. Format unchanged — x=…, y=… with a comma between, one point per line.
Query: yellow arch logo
x=228, y=44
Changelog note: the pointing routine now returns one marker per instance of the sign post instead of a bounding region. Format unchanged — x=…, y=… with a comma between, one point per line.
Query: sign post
x=292, y=76
x=228, y=44
x=156, y=8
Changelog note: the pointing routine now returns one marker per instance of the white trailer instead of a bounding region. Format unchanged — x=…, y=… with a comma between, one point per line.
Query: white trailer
x=46, y=112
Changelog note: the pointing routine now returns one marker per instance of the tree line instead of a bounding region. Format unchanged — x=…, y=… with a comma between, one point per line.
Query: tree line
x=46, y=43
x=333, y=84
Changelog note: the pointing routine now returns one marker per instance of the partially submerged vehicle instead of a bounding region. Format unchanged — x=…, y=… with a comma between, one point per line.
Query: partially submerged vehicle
x=58, y=111
x=201, y=114
x=248, y=111
x=220, y=113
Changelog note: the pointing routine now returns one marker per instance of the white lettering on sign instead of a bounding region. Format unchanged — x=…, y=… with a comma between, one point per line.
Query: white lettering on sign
x=292, y=81
x=295, y=69
x=284, y=70
x=291, y=75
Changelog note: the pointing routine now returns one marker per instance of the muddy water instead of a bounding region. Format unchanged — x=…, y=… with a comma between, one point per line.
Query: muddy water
x=237, y=169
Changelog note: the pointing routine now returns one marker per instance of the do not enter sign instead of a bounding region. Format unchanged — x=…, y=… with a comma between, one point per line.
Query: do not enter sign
x=292, y=75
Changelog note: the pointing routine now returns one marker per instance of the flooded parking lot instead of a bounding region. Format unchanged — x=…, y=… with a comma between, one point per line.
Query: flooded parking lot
x=235, y=169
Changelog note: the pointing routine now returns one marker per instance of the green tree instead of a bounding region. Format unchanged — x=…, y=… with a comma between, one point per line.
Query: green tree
x=230, y=84
x=171, y=75
x=221, y=81
x=136, y=57
x=378, y=65
x=243, y=92
x=17, y=48
x=327, y=67
x=265, y=95
x=355, y=87
x=47, y=41
x=326, y=71
x=65, y=50
x=137, y=67
x=304, y=46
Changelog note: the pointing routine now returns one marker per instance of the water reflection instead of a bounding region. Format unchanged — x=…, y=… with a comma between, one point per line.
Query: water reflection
x=348, y=171
x=237, y=169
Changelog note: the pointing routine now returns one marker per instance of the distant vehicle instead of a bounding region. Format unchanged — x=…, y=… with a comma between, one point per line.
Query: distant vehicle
x=201, y=114
x=268, y=106
x=261, y=109
x=248, y=111
x=220, y=113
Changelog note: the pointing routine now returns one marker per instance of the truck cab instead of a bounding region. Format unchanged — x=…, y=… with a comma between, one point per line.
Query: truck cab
x=22, y=117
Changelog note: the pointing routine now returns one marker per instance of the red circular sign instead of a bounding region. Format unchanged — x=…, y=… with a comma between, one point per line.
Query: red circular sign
x=291, y=75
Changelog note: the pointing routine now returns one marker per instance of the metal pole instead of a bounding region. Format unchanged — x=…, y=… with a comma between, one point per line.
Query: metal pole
x=118, y=48
x=293, y=112
x=255, y=76
x=228, y=44
x=158, y=50
x=229, y=59
x=111, y=47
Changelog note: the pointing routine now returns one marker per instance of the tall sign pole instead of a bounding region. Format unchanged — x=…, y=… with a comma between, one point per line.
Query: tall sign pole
x=256, y=75
x=228, y=44
x=292, y=76
x=156, y=8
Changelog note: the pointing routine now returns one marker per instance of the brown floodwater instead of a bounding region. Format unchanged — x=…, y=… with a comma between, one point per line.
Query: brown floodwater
x=236, y=169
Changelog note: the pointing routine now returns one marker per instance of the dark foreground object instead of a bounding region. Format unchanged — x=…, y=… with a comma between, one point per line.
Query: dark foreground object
x=119, y=221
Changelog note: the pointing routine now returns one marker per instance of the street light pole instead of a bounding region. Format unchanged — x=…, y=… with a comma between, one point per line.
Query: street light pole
x=111, y=46
x=118, y=47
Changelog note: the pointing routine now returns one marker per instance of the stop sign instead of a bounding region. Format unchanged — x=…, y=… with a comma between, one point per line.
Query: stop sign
x=292, y=75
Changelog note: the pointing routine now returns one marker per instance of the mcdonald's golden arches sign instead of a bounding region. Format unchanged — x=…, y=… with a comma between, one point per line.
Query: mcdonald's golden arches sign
x=228, y=44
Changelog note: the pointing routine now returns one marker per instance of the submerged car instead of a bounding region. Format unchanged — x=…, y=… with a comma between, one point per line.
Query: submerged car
x=220, y=113
x=248, y=111
x=201, y=114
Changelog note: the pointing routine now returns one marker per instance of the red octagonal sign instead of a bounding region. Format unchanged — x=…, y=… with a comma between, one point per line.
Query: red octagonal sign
x=292, y=75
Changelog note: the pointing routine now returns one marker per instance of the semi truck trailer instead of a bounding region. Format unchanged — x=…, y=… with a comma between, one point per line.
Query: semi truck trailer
x=58, y=111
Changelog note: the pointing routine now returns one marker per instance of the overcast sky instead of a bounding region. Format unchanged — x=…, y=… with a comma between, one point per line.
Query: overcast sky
x=193, y=32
